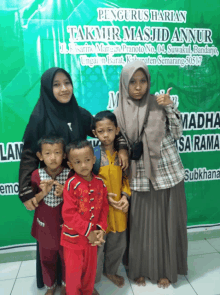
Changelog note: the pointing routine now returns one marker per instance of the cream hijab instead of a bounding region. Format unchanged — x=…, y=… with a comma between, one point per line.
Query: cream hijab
x=132, y=115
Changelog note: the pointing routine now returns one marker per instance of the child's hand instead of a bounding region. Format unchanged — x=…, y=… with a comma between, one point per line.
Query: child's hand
x=92, y=237
x=46, y=186
x=112, y=202
x=124, y=204
x=100, y=236
x=59, y=189
x=31, y=204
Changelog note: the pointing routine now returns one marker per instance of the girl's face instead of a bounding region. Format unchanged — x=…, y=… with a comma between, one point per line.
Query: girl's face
x=138, y=85
x=62, y=88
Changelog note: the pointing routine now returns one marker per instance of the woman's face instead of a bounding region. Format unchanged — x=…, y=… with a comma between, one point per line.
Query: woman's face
x=138, y=85
x=62, y=88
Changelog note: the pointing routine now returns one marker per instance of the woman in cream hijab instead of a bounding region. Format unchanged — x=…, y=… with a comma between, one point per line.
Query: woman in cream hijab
x=158, y=217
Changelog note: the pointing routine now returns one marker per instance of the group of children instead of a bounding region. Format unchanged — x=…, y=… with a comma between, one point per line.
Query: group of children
x=78, y=210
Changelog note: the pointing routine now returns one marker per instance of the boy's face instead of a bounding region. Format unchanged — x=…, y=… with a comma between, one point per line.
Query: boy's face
x=106, y=131
x=52, y=155
x=82, y=161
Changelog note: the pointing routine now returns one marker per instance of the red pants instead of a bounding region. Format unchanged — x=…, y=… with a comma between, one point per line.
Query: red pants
x=48, y=260
x=80, y=270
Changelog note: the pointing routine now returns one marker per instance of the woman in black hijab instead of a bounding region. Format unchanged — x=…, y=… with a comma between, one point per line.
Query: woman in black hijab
x=56, y=112
x=66, y=119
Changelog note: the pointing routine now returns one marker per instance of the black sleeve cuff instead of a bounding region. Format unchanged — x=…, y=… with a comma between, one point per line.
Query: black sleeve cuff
x=26, y=196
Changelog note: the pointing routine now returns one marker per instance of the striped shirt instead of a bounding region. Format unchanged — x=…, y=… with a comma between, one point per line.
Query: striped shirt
x=170, y=170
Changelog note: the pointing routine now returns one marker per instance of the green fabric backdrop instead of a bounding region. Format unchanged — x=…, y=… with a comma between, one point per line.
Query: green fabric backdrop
x=180, y=42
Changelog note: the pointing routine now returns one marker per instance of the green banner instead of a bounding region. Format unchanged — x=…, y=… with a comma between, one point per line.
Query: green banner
x=92, y=40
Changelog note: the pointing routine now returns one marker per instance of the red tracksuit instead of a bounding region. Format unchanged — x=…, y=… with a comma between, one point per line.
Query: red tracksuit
x=85, y=209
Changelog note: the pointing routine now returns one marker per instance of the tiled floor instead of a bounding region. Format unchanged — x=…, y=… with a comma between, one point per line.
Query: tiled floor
x=18, y=278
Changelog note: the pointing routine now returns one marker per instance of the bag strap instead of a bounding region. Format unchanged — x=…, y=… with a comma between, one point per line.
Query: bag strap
x=145, y=123
x=142, y=131
x=96, y=166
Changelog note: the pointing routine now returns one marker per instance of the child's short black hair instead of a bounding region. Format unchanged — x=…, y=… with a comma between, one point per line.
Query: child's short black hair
x=104, y=115
x=50, y=139
x=77, y=144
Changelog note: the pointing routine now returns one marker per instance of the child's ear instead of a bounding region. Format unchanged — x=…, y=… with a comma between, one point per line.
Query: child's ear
x=70, y=164
x=39, y=155
x=94, y=132
x=64, y=155
x=117, y=130
x=94, y=159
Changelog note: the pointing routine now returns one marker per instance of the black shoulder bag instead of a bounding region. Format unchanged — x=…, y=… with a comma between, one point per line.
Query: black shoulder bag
x=136, y=148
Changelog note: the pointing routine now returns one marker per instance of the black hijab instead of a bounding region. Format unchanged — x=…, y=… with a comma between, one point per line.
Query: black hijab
x=51, y=116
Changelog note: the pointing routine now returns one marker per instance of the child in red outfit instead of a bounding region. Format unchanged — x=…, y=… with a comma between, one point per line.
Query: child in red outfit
x=48, y=185
x=84, y=212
